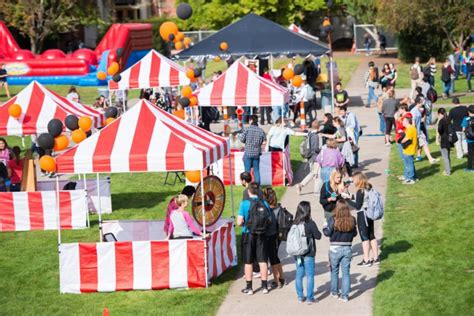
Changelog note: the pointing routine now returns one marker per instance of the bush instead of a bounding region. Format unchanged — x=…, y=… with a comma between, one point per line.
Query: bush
x=423, y=44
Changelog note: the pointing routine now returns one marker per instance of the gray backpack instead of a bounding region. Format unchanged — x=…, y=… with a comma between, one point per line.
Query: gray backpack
x=296, y=242
x=375, y=208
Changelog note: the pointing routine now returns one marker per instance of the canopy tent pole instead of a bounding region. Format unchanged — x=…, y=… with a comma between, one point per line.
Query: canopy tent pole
x=100, y=209
x=87, y=199
x=231, y=186
x=331, y=70
x=58, y=216
x=203, y=209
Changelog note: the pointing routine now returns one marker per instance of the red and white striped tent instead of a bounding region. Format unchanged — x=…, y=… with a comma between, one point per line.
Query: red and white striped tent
x=240, y=86
x=39, y=105
x=145, y=139
x=153, y=70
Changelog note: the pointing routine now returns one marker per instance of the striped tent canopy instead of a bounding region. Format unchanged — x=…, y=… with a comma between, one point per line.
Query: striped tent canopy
x=152, y=71
x=144, y=139
x=40, y=105
x=240, y=86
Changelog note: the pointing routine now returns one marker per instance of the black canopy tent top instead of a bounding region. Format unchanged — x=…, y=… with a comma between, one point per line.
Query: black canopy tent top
x=253, y=36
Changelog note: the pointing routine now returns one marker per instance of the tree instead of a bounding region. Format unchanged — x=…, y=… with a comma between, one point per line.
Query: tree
x=39, y=19
x=449, y=19
x=364, y=11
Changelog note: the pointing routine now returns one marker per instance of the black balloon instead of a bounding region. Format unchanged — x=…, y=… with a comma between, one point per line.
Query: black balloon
x=184, y=11
x=72, y=122
x=298, y=70
x=45, y=141
x=171, y=37
x=111, y=112
x=119, y=52
x=117, y=77
x=197, y=72
x=55, y=127
x=184, y=101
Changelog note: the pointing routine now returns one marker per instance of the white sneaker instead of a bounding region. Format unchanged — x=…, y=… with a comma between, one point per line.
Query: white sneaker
x=256, y=274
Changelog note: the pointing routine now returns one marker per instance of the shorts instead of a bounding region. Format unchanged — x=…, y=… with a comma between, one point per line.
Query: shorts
x=271, y=247
x=422, y=140
x=389, y=123
x=365, y=226
x=253, y=248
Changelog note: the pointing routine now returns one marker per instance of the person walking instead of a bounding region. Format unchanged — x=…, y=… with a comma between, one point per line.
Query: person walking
x=305, y=263
x=382, y=43
x=364, y=224
x=389, y=107
x=409, y=143
x=431, y=66
x=254, y=138
x=341, y=230
x=341, y=97
x=353, y=130
x=455, y=117
x=468, y=127
x=315, y=147
x=3, y=80
x=469, y=72
x=367, y=44
x=371, y=80
x=446, y=74
x=415, y=75
x=329, y=158
x=443, y=133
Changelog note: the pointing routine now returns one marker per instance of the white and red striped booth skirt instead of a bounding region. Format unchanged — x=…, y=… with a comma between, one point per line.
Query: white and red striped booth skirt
x=24, y=211
x=145, y=264
x=274, y=168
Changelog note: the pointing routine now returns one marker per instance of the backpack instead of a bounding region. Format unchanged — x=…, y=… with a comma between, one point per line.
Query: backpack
x=284, y=221
x=374, y=74
x=259, y=217
x=375, y=208
x=296, y=242
x=310, y=94
x=305, y=147
x=432, y=95
x=470, y=129
x=414, y=74
x=452, y=136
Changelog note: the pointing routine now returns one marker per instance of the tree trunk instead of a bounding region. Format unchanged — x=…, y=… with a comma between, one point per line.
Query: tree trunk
x=33, y=45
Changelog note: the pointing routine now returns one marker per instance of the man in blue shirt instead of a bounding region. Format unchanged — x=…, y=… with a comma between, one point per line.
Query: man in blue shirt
x=466, y=123
x=252, y=246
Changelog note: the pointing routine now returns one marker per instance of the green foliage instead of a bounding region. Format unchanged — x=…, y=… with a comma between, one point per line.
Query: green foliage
x=365, y=11
x=425, y=44
x=158, y=43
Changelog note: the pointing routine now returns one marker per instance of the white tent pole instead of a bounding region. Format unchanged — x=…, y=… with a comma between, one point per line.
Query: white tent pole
x=231, y=186
x=87, y=200
x=58, y=216
x=331, y=70
x=100, y=209
x=203, y=209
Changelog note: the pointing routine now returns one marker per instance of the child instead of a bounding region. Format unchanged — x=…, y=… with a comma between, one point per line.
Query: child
x=181, y=224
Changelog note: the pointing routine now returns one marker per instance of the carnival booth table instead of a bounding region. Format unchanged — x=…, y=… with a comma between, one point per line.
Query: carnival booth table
x=147, y=139
x=37, y=210
x=239, y=86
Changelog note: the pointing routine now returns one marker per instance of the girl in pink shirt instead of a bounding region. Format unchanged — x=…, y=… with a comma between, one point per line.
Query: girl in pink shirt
x=181, y=224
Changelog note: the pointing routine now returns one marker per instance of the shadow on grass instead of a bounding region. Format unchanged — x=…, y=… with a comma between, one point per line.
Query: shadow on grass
x=397, y=247
x=136, y=200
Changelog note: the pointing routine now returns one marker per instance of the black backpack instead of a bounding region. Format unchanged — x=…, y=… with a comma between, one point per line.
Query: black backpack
x=259, y=217
x=452, y=136
x=284, y=220
x=470, y=129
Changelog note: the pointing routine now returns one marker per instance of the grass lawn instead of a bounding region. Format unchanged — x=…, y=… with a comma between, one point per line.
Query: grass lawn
x=29, y=282
x=404, y=82
x=427, y=250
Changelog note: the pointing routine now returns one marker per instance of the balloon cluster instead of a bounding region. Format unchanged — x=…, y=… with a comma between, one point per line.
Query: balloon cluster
x=169, y=32
x=294, y=75
x=111, y=114
x=55, y=140
x=193, y=74
x=113, y=69
x=187, y=98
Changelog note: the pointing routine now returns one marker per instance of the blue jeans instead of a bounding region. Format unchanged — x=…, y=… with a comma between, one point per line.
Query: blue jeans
x=367, y=48
x=446, y=87
x=254, y=163
x=277, y=112
x=400, y=150
x=306, y=268
x=340, y=256
x=409, y=167
x=356, y=154
x=381, y=123
x=468, y=78
x=325, y=173
x=372, y=96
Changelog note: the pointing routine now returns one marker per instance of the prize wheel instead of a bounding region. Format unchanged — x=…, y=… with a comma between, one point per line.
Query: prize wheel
x=214, y=200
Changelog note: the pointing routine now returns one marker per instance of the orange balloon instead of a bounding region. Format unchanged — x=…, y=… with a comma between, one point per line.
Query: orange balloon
x=109, y=120
x=297, y=81
x=193, y=101
x=187, y=91
x=78, y=136
x=168, y=28
x=288, y=74
x=113, y=68
x=190, y=73
x=85, y=123
x=180, y=36
x=101, y=75
x=223, y=46
x=47, y=163
x=193, y=176
x=186, y=41
x=14, y=110
x=61, y=142
x=178, y=46
x=217, y=59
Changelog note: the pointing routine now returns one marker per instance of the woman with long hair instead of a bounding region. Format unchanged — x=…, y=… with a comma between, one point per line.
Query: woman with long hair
x=305, y=263
x=431, y=64
x=330, y=192
x=364, y=224
x=4, y=152
x=341, y=230
x=15, y=169
x=386, y=75
x=181, y=223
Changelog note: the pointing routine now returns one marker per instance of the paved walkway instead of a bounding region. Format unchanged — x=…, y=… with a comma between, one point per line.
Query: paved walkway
x=373, y=161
